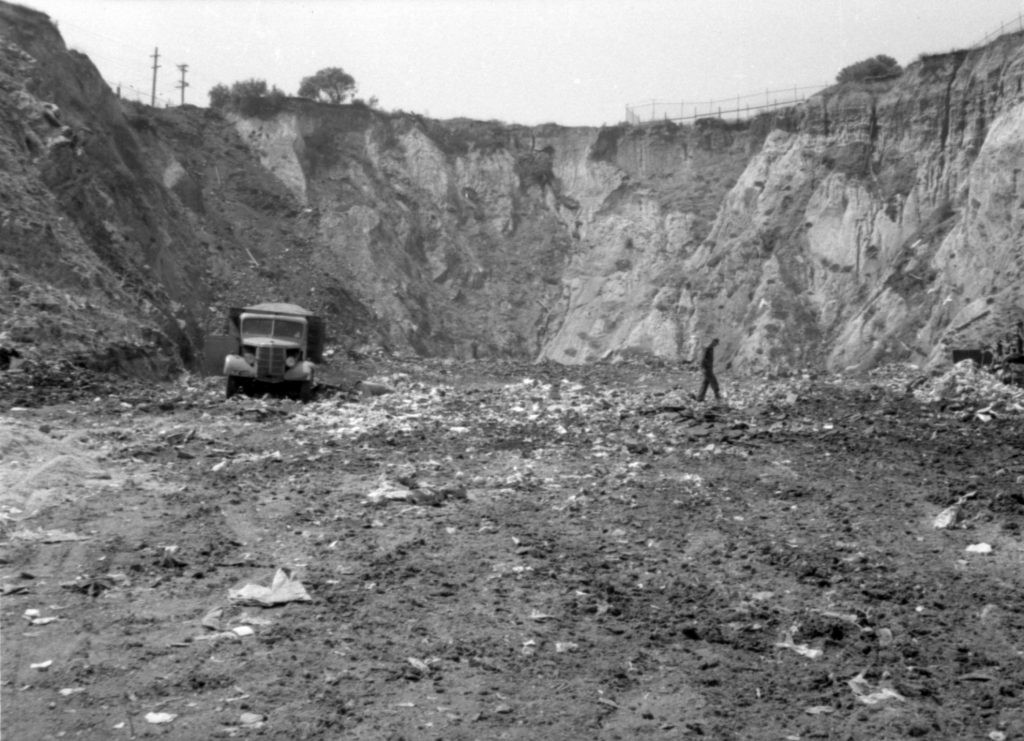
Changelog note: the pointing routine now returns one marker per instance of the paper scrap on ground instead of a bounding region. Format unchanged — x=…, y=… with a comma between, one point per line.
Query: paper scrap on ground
x=285, y=588
x=800, y=648
x=160, y=717
x=47, y=536
x=389, y=492
x=862, y=689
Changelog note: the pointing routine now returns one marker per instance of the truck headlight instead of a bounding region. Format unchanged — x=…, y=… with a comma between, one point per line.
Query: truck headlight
x=249, y=357
x=289, y=362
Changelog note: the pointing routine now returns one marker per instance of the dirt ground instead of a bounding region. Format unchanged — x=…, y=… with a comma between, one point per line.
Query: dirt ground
x=495, y=551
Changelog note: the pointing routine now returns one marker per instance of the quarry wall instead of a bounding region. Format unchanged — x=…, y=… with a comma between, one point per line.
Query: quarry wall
x=876, y=222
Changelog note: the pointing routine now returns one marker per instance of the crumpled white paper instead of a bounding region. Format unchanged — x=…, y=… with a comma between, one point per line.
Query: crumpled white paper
x=285, y=588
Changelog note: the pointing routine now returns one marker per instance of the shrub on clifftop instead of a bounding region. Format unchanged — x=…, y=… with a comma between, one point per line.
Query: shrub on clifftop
x=878, y=67
x=248, y=97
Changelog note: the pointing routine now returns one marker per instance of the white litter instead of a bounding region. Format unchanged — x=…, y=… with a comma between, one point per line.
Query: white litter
x=160, y=717
x=801, y=648
x=284, y=588
x=864, y=692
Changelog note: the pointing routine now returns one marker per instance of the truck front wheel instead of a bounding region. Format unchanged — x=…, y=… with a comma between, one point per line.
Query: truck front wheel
x=234, y=385
x=306, y=391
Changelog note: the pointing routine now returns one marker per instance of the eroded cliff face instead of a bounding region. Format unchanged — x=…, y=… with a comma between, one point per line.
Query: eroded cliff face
x=876, y=222
x=885, y=227
x=480, y=238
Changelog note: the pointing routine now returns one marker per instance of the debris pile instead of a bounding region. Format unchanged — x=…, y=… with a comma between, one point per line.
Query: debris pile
x=966, y=383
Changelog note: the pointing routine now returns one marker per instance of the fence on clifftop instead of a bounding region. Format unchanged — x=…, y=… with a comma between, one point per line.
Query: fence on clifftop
x=745, y=106
x=1017, y=24
x=737, y=107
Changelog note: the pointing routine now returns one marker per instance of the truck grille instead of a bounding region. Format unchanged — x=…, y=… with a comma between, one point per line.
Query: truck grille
x=269, y=362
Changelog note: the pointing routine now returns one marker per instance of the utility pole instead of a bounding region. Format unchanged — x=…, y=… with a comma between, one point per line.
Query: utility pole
x=156, y=56
x=183, y=84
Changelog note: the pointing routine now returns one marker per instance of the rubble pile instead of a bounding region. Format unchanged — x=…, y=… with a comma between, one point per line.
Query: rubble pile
x=968, y=384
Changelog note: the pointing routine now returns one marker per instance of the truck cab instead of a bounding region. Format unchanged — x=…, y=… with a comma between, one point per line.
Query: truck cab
x=274, y=348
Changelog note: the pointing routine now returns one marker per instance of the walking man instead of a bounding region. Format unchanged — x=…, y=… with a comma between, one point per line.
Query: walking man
x=707, y=365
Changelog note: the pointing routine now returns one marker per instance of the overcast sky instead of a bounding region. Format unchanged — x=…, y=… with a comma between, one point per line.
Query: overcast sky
x=572, y=62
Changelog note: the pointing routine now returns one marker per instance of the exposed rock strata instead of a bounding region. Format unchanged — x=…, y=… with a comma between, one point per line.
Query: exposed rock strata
x=876, y=222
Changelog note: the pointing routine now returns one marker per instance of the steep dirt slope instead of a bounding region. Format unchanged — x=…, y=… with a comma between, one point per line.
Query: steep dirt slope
x=115, y=254
x=74, y=275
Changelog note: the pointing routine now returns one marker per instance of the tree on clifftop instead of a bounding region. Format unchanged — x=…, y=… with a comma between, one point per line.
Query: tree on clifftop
x=878, y=67
x=220, y=96
x=331, y=84
x=248, y=97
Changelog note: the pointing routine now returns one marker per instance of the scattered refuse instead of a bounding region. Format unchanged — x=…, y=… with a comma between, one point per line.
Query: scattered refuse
x=212, y=618
x=239, y=631
x=801, y=648
x=389, y=491
x=42, y=665
x=35, y=618
x=160, y=717
x=947, y=517
x=419, y=665
x=96, y=585
x=866, y=694
x=284, y=588
x=563, y=647
x=978, y=548
x=169, y=559
x=414, y=492
x=252, y=720
x=539, y=616
x=247, y=619
x=47, y=536
x=819, y=710
x=68, y=691
x=967, y=382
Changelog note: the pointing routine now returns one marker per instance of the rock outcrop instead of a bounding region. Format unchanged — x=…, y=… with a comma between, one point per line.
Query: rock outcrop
x=876, y=222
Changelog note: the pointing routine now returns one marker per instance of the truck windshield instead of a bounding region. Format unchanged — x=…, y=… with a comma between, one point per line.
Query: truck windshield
x=280, y=329
x=287, y=330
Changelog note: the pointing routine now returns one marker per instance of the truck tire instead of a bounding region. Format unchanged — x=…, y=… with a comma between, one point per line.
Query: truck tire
x=305, y=391
x=234, y=385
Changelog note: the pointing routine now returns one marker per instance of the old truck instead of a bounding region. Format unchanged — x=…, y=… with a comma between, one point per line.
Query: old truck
x=269, y=348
